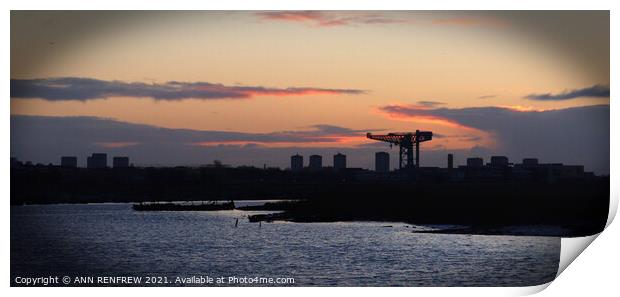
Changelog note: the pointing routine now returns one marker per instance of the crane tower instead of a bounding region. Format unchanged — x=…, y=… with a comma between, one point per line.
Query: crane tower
x=406, y=142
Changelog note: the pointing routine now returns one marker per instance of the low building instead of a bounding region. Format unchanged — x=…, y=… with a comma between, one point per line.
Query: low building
x=382, y=162
x=120, y=162
x=297, y=162
x=97, y=160
x=499, y=161
x=316, y=162
x=68, y=161
x=340, y=161
x=475, y=162
x=555, y=171
x=530, y=162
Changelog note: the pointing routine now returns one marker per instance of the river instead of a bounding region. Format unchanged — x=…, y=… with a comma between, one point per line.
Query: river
x=113, y=240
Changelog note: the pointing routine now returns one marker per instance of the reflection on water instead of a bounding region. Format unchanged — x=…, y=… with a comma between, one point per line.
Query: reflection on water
x=113, y=240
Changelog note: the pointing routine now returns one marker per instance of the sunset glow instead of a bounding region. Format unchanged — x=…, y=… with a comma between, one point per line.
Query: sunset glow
x=258, y=73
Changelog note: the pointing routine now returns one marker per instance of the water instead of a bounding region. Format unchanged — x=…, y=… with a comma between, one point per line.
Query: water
x=113, y=240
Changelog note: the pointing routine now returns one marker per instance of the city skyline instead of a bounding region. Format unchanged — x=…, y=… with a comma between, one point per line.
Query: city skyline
x=314, y=162
x=249, y=88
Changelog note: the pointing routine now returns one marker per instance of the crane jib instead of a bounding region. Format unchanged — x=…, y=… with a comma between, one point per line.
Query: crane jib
x=406, y=142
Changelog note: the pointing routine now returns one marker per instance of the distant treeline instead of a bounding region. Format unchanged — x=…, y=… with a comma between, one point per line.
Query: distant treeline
x=329, y=195
x=54, y=184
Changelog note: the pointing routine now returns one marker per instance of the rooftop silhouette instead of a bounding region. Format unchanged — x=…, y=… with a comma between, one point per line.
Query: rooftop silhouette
x=496, y=193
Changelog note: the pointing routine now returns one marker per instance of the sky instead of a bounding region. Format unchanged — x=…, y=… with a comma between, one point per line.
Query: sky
x=254, y=87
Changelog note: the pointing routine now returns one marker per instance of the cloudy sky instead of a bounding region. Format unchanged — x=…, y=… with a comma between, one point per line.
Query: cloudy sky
x=185, y=88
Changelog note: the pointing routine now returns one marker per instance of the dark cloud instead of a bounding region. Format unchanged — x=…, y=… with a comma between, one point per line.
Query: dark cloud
x=593, y=91
x=44, y=139
x=487, y=96
x=471, y=138
x=430, y=103
x=464, y=137
x=82, y=89
x=578, y=135
x=100, y=131
x=571, y=136
x=329, y=18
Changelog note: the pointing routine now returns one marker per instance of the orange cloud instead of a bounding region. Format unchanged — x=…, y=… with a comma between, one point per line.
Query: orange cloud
x=525, y=108
x=330, y=18
x=293, y=92
x=419, y=113
x=82, y=89
x=312, y=141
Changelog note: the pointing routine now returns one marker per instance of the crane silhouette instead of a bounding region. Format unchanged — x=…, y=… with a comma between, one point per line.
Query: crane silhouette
x=406, y=141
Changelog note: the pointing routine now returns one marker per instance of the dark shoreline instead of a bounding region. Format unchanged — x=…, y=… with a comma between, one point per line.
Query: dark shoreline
x=499, y=230
x=436, y=228
x=581, y=205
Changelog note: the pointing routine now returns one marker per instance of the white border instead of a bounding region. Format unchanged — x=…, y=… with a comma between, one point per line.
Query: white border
x=597, y=267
